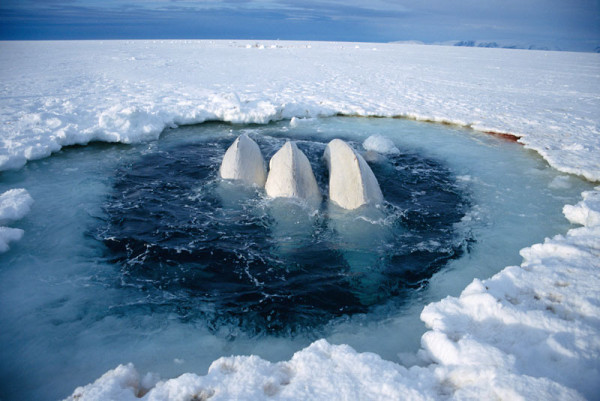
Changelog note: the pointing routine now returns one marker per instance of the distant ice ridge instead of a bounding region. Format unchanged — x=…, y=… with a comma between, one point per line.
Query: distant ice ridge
x=503, y=44
x=14, y=205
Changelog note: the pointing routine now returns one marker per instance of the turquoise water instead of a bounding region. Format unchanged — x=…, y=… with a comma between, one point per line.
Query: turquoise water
x=140, y=253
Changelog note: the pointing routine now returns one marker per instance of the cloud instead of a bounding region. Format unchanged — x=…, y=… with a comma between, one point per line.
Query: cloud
x=572, y=22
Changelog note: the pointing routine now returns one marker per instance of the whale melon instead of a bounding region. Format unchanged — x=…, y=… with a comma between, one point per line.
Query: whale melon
x=291, y=176
x=351, y=180
x=244, y=162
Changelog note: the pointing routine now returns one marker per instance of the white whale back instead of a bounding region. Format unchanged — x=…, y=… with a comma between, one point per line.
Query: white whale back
x=244, y=162
x=351, y=180
x=291, y=176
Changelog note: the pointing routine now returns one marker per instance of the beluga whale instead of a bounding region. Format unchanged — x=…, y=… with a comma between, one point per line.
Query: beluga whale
x=358, y=224
x=291, y=176
x=295, y=196
x=244, y=162
x=352, y=183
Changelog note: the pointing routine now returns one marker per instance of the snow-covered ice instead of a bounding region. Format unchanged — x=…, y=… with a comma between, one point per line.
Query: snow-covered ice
x=529, y=332
x=128, y=91
x=14, y=205
x=586, y=212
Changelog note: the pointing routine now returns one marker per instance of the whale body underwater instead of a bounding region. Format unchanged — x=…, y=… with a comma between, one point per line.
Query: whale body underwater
x=249, y=232
x=352, y=183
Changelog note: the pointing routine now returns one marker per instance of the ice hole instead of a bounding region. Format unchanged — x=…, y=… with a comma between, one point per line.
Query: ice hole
x=228, y=254
x=143, y=254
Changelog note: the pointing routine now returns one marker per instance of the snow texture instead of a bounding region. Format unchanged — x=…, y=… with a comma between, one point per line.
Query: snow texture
x=244, y=162
x=57, y=94
x=14, y=205
x=586, y=212
x=530, y=332
x=291, y=176
x=351, y=181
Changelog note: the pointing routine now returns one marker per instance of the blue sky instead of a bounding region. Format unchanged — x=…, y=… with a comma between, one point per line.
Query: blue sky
x=568, y=24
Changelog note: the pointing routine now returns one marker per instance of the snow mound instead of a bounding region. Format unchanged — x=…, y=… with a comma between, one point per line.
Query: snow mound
x=534, y=320
x=320, y=372
x=291, y=176
x=586, y=212
x=14, y=205
x=351, y=181
x=380, y=144
x=244, y=162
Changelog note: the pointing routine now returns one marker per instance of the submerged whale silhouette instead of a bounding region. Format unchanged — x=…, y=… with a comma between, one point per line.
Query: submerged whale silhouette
x=352, y=184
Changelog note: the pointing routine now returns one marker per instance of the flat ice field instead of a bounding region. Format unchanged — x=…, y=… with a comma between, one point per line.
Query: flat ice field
x=529, y=331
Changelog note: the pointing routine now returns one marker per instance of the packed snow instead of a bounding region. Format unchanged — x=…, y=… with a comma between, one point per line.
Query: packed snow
x=122, y=91
x=586, y=212
x=529, y=332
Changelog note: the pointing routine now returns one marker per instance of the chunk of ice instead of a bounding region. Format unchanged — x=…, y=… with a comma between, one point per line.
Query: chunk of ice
x=8, y=235
x=380, y=144
x=14, y=205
